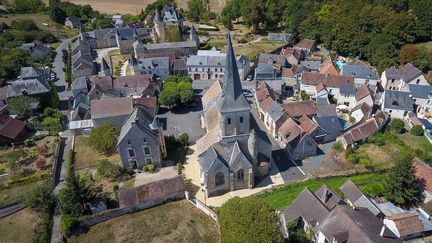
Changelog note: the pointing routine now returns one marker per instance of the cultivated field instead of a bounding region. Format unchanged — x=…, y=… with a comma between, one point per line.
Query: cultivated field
x=135, y=6
x=173, y=222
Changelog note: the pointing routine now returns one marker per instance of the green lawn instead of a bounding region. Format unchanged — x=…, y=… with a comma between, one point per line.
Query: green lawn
x=416, y=142
x=372, y=184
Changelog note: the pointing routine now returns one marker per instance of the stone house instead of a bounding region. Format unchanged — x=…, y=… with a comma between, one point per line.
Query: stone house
x=11, y=130
x=230, y=155
x=80, y=85
x=72, y=22
x=159, y=66
x=307, y=45
x=395, y=79
x=293, y=55
x=270, y=67
x=166, y=20
x=364, y=95
x=115, y=110
x=141, y=140
x=33, y=82
x=279, y=37
x=422, y=98
x=38, y=51
x=363, y=75
x=332, y=125
x=398, y=104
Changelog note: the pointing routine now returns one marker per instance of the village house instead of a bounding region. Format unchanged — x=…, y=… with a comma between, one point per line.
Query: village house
x=105, y=69
x=307, y=45
x=38, y=51
x=270, y=67
x=362, y=131
x=32, y=82
x=293, y=55
x=115, y=110
x=300, y=108
x=395, y=79
x=355, y=198
x=328, y=67
x=331, y=125
x=141, y=140
x=363, y=75
x=80, y=85
x=422, y=98
x=230, y=155
x=12, y=131
x=72, y=22
x=159, y=66
x=279, y=37
x=166, y=21
x=398, y=104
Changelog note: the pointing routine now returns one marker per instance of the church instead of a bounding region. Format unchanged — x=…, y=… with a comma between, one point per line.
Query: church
x=231, y=155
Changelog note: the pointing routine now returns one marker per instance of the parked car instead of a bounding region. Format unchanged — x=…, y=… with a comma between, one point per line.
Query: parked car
x=249, y=77
x=247, y=93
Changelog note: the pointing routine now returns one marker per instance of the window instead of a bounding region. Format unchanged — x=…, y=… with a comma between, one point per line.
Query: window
x=229, y=121
x=219, y=179
x=240, y=175
x=418, y=81
x=131, y=152
x=148, y=161
x=241, y=119
x=145, y=140
x=129, y=142
x=392, y=81
x=390, y=111
x=147, y=150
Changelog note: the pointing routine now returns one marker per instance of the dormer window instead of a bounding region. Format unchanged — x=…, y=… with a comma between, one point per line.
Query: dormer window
x=395, y=103
x=418, y=81
x=241, y=119
x=229, y=121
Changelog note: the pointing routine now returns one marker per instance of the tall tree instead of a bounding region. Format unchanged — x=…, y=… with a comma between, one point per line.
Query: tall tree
x=401, y=186
x=103, y=138
x=256, y=15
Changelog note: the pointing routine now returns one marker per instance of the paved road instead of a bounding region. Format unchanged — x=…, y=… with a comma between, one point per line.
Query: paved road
x=58, y=68
x=10, y=210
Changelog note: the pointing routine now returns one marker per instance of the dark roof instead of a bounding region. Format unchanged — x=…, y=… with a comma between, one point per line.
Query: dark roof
x=153, y=191
x=10, y=128
x=296, y=109
x=113, y=107
x=363, y=72
x=330, y=124
x=80, y=83
x=349, y=225
x=409, y=72
x=348, y=89
x=28, y=86
x=351, y=191
x=420, y=91
x=143, y=119
x=329, y=197
x=398, y=100
x=308, y=206
x=232, y=98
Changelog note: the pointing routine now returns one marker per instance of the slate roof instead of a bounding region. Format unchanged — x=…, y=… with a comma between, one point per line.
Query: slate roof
x=31, y=72
x=420, y=91
x=324, y=108
x=398, y=100
x=325, y=79
x=409, y=72
x=275, y=111
x=232, y=98
x=169, y=45
x=308, y=206
x=113, y=107
x=347, y=89
x=329, y=197
x=297, y=109
x=330, y=124
x=135, y=81
x=80, y=83
x=277, y=60
x=153, y=63
x=142, y=119
x=309, y=66
x=74, y=20
x=10, y=127
x=363, y=72
x=28, y=86
x=351, y=191
x=344, y=224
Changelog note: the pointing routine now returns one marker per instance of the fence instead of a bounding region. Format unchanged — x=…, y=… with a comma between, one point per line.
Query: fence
x=57, y=160
x=198, y=204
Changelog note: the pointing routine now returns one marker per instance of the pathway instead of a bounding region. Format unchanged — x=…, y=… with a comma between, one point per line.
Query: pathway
x=58, y=65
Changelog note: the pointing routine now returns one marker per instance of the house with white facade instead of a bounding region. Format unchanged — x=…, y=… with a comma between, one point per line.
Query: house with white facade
x=363, y=75
x=422, y=98
x=398, y=104
x=395, y=78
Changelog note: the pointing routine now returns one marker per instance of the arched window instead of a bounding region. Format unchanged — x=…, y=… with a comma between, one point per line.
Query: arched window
x=241, y=119
x=240, y=175
x=219, y=179
x=229, y=121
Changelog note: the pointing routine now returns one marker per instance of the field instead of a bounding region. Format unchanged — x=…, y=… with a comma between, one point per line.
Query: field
x=372, y=184
x=18, y=227
x=172, y=222
x=86, y=157
x=135, y=6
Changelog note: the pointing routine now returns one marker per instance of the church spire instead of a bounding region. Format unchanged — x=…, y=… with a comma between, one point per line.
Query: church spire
x=82, y=33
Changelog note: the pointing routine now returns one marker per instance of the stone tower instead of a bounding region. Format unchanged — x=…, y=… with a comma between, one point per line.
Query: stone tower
x=133, y=64
x=105, y=69
x=158, y=28
x=193, y=36
x=82, y=33
x=234, y=109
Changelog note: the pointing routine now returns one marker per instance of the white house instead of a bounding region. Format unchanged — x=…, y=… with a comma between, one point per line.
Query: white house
x=395, y=79
x=397, y=103
x=422, y=98
x=363, y=75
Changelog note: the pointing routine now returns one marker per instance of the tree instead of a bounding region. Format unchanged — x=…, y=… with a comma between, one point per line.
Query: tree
x=417, y=130
x=296, y=233
x=255, y=16
x=397, y=125
x=185, y=92
x=169, y=98
x=103, y=138
x=24, y=24
x=401, y=186
x=57, y=14
x=407, y=54
x=226, y=21
x=21, y=105
x=195, y=9
x=40, y=197
x=248, y=220
x=184, y=139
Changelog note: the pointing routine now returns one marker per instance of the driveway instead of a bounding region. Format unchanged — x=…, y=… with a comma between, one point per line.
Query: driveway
x=163, y=173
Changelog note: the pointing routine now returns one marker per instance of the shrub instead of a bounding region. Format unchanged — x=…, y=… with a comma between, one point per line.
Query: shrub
x=28, y=142
x=40, y=197
x=353, y=158
x=243, y=40
x=112, y=171
x=417, y=130
x=338, y=146
x=397, y=125
x=149, y=168
x=104, y=138
x=68, y=224
x=377, y=139
x=352, y=119
x=40, y=163
x=184, y=138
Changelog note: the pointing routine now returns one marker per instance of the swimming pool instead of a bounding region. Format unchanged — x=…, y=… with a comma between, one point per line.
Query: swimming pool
x=339, y=64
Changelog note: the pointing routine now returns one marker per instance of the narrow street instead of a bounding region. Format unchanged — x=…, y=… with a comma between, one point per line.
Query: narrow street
x=58, y=69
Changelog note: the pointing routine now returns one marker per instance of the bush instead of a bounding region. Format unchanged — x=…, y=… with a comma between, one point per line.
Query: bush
x=397, y=125
x=417, y=130
x=28, y=142
x=24, y=24
x=68, y=224
x=377, y=139
x=352, y=119
x=112, y=171
x=104, y=138
x=184, y=139
x=149, y=168
x=40, y=197
x=338, y=147
x=353, y=158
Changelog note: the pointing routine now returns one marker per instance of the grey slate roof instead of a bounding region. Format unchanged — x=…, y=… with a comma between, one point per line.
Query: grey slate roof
x=363, y=72
x=331, y=124
x=409, y=72
x=142, y=119
x=31, y=72
x=398, y=100
x=154, y=62
x=309, y=66
x=275, y=111
x=195, y=60
x=28, y=86
x=351, y=191
x=80, y=83
x=326, y=109
x=232, y=98
x=348, y=89
x=329, y=197
x=105, y=65
x=420, y=91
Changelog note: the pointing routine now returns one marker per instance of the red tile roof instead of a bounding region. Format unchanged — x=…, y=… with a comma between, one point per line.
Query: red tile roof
x=306, y=44
x=423, y=173
x=407, y=223
x=11, y=128
x=362, y=92
x=297, y=109
x=329, y=67
x=327, y=80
